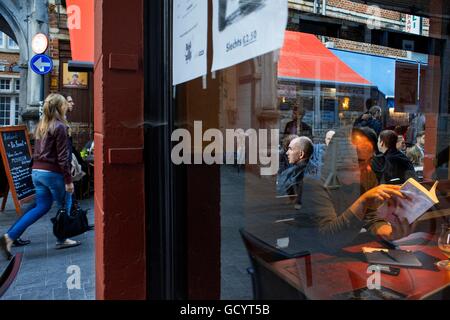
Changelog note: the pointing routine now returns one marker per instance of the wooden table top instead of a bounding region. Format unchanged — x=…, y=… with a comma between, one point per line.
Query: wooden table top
x=324, y=276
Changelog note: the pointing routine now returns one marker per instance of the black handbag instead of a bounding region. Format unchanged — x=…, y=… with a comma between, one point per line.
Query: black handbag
x=66, y=226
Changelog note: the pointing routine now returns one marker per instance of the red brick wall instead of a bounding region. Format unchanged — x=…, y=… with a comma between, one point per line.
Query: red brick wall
x=59, y=51
x=366, y=48
x=11, y=58
x=53, y=17
x=363, y=8
x=56, y=21
x=54, y=54
x=54, y=49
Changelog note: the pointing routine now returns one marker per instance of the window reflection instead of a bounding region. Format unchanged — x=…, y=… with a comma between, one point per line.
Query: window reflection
x=356, y=121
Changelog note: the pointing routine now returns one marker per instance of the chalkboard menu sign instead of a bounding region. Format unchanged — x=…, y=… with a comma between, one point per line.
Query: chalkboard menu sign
x=16, y=154
x=4, y=185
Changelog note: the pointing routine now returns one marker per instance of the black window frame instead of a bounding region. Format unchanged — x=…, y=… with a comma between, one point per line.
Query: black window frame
x=164, y=182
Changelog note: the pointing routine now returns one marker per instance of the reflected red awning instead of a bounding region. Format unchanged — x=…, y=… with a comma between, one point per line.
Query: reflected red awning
x=304, y=57
x=82, y=38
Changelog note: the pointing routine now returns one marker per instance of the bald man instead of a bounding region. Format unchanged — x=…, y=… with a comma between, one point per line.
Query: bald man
x=290, y=181
x=300, y=150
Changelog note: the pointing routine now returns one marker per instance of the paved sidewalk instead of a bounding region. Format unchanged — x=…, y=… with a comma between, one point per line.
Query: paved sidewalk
x=246, y=200
x=236, y=282
x=43, y=273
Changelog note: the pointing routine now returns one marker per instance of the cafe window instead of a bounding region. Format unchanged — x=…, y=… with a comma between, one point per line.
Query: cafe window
x=350, y=115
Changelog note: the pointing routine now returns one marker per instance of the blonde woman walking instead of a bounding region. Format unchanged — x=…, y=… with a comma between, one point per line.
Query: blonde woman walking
x=50, y=172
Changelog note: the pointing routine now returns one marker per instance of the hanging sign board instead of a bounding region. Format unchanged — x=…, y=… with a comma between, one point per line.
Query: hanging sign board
x=190, y=40
x=244, y=29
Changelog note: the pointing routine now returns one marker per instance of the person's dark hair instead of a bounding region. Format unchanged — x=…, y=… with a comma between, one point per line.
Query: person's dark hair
x=398, y=130
x=287, y=140
x=389, y=138
x=370, y=103
x=369, y=133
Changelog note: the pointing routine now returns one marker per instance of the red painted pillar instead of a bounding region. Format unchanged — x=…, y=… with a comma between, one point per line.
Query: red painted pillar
x=119, y=140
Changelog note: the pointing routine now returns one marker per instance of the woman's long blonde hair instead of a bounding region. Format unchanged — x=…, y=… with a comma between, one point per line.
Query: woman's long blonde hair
x=54, y=110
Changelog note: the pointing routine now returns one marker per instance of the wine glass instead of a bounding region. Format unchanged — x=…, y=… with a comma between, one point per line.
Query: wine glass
x=444, y=246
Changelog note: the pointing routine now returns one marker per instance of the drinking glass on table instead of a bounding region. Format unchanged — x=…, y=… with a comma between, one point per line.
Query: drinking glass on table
x=444, y=246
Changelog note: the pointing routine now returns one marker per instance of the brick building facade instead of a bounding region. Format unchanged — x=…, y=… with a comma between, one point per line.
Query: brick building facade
x=359, y=13
x=60, y=51
x=59, y=37
x=9, y=81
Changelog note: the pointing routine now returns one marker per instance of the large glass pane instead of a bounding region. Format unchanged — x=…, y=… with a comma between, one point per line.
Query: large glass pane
x=355, y=129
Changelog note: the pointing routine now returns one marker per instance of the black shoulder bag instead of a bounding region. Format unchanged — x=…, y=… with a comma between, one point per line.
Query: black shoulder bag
x=66, y=226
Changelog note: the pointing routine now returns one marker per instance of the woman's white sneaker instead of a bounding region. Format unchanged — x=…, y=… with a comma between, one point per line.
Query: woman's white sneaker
x=68, y=243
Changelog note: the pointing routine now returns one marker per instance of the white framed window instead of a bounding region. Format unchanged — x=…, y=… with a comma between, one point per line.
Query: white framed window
x=2, y=40
x=5, y=111
x=5, y=85
x=2, y=67
x=17, y=111
x=17, y=83
x=12, y=44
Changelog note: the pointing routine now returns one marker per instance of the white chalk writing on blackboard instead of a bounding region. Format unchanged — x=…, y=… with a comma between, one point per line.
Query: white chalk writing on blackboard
x=19, y=159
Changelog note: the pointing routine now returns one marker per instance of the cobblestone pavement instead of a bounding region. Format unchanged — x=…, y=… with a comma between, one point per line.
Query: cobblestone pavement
x=43, y=272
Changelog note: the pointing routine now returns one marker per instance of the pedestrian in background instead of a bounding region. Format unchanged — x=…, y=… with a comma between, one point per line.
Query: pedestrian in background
x=50, y=172
x=76, y=159
x=391, y=166
x=371, y=119
x=416, y=153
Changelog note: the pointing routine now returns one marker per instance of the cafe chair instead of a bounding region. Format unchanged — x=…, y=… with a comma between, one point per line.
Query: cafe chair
x=10, y=273
x=266, y=284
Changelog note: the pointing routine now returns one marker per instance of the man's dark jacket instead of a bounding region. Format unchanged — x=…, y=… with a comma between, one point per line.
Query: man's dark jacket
x=290, y=181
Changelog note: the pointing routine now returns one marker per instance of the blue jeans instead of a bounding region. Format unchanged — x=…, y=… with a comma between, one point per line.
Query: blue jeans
x=49, y=187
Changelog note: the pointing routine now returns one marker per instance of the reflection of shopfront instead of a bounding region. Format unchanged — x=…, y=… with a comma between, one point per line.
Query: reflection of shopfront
x=410, y=93
x=400, y=83
x=326, y=106
x=327, y=90
x=332, y=86
x=173, y=228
